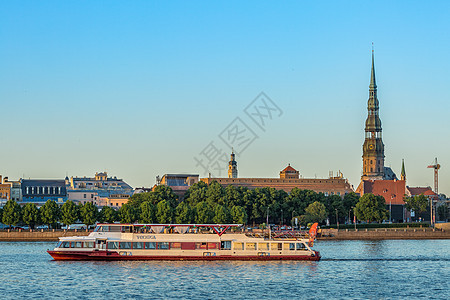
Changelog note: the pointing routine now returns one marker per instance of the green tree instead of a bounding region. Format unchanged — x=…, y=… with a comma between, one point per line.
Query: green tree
x=147, y=213
x=127, y=214
x=350, y=201
x=196, y=193
x=238, y=214
x=137, y=199
x=108, y=214
x=204, y=213
x=334, y=203
x=50, y=213
x=89, y=213
x=164, y=192
x=222, y=215
x=69, y=212
x=442, y=212
x=30, y=215
x=371, y=208
x=184, y=214
x=164, y=212
x=315, y=212
x=215, y=194
x=11, y=213
x=417, y=203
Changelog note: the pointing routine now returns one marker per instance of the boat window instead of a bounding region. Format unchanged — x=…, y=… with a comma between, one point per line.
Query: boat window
x=188, y=246
x=59, y=245
x=212, y=245
x=163, y=245
x=263, y=246
x=150, y=245
x=113, y=228
x=65, y=245
x=250, y=246
x=77, y=244
x=280, y=246
x=201, y=246
x=138, y=245
x=113, y=245
x=125, y=245
x=225, y=245
x=291, y=246
x=274, y=246
x=175, y=245
x=238, y=246
x=300, y=246
x=127, y=229
x=88, y=244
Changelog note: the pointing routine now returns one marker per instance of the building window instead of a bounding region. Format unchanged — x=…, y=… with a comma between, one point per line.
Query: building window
x=84, y=195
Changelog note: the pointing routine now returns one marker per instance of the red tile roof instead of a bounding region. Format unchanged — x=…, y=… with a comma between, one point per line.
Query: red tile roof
x=393, y=191
x=421, y=190
x=289, y=169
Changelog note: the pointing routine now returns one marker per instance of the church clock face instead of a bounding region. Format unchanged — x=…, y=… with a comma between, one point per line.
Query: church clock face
x=371, y=146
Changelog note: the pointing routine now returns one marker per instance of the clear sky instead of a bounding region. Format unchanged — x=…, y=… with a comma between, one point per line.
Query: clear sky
x=141, y=88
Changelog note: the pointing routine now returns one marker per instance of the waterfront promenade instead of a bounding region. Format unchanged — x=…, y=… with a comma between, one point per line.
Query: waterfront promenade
x=442, y=231
x=385, y=234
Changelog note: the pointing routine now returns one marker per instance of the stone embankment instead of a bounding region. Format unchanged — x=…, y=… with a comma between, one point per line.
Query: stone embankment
x=37, y=235
x=385, y=234
x=442, y=231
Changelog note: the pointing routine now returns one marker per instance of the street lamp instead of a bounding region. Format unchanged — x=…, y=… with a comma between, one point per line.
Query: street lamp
x=337, y=220
x=349, y=218
x=390, y=210
x=292, y=218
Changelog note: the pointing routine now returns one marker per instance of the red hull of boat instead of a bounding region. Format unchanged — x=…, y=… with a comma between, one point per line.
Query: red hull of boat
x=110, y=255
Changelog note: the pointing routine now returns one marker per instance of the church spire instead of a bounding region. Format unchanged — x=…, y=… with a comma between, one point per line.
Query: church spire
x=373, y=82
x=373, y=148
x=403, y=175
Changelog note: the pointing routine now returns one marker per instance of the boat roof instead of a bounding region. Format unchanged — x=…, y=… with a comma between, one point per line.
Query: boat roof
x=170, y=225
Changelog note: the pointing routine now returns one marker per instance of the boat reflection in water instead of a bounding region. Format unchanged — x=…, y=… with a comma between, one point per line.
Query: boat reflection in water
x=185, y=242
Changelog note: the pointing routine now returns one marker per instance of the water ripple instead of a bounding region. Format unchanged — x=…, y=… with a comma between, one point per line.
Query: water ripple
x=348, y=270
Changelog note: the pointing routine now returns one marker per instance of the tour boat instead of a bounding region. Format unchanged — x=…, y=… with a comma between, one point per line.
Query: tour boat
x=185, y=242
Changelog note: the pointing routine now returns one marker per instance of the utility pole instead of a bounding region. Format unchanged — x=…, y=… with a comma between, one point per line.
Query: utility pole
x=436, y=168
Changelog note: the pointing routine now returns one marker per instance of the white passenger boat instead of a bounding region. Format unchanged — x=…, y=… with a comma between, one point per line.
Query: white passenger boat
x=185, y=242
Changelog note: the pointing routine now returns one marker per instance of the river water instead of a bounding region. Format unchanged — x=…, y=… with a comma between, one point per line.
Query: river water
x=394, y=269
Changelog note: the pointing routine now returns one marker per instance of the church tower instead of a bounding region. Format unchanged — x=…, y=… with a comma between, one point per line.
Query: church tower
x=373, y=148
x=403, y=175
x=232, y=166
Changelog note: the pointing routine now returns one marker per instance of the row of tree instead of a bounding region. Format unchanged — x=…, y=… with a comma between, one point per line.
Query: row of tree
x=51, y=213
x=212, y=203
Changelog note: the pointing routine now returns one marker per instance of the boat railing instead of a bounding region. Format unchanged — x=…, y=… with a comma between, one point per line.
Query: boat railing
x=280, y=235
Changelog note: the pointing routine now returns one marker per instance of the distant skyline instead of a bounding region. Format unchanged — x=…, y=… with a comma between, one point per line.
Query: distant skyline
x=139, y=89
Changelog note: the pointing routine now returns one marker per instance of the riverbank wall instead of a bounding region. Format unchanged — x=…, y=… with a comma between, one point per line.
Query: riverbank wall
x=324, y=234
x=37, y=235
x=385, y=234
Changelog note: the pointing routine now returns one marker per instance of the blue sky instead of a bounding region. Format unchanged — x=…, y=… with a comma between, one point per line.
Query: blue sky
x=141, y=88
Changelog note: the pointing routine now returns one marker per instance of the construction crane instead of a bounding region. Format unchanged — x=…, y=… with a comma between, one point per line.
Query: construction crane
x=436, y=168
